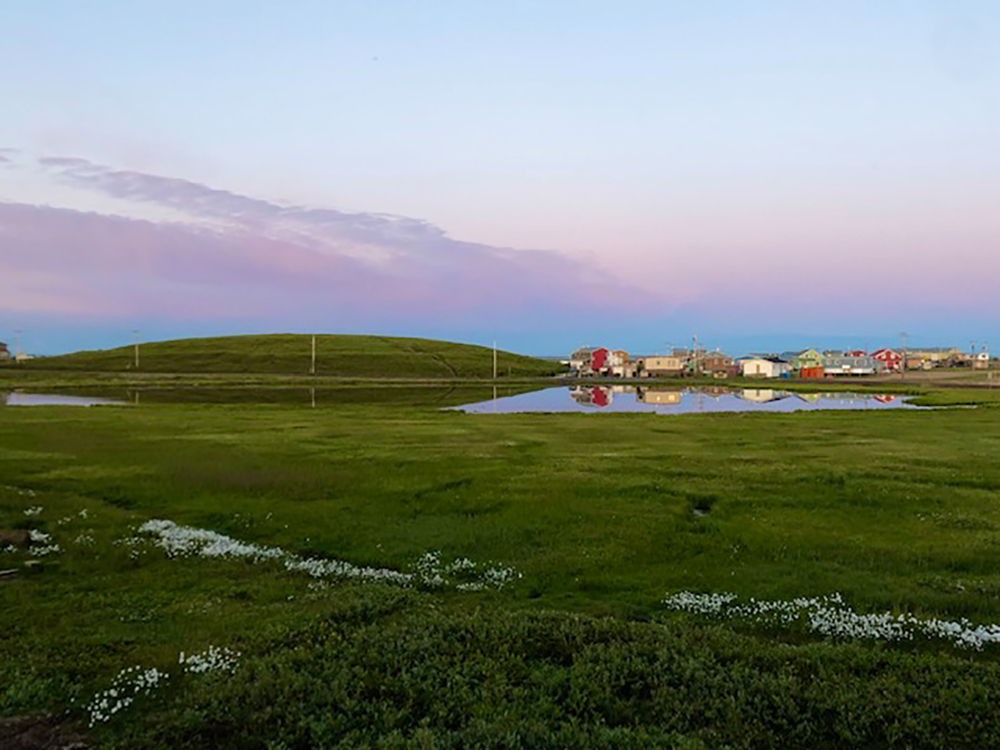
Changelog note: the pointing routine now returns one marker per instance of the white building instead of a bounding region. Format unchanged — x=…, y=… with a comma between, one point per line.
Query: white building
x=764, y=367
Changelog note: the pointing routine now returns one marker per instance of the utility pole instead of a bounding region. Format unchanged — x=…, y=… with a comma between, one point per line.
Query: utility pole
x=902, y=345
x=494, y=360
x=135, y=344
x=17, y=345
x=312, y=365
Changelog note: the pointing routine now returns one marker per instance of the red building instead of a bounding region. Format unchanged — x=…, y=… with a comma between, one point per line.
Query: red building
x=599, y=360
x=891, y=360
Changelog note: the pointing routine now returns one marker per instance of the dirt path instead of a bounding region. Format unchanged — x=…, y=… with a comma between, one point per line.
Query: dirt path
x=40, y=732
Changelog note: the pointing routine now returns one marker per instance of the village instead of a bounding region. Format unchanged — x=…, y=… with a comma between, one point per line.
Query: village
x=600, y=362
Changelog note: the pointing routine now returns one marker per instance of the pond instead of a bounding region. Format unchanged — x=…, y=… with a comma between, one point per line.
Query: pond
x=17, y=398
x=694, y=400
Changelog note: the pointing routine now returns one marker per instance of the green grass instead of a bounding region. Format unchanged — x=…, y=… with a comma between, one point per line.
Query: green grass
x=896, y=510
x=342, y=356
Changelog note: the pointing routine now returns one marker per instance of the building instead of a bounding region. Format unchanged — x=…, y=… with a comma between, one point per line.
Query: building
x=590, y=361
x=716, y=363
x=4, y=352
x=934, y=356
x=800, y=360
x=662, y=365
x=892, y=361
x=580, y=359
x=764, y=366
x=617, y=358
x=850, y=363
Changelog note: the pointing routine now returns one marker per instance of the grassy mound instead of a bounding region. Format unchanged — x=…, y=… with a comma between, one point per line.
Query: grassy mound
x=290, y=354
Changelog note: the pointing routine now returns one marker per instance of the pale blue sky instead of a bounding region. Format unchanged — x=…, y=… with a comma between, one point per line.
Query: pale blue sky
x=689, y=148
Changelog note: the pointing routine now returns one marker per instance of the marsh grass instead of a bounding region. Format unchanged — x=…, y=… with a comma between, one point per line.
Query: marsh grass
x=896, y=511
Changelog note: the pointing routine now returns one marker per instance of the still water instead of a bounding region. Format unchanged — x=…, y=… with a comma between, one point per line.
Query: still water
x=17, y=398
x=707, y=400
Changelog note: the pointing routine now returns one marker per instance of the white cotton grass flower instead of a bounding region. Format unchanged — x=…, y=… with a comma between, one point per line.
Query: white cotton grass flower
x=128, y=685
x=430, y=571
x=832, y=617
x=37, y=537
x=210, y=660
x=34, y=510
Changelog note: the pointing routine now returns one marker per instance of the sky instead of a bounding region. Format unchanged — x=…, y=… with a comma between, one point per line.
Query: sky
x=765, y=175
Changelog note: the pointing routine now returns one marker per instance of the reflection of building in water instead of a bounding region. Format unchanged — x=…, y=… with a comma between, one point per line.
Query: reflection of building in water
x=591, y=396
x=762, y=395
x=715, y=391
x=809, y=398
x=650, y=396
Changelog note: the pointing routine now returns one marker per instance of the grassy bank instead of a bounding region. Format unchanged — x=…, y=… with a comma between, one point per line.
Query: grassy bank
x=341, y=356
x=601, y=516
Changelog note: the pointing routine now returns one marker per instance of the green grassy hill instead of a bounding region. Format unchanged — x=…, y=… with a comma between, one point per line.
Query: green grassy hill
x=290, y=354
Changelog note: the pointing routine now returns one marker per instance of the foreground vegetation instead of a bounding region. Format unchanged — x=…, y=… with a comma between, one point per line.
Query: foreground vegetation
x=341, y=356
x=602, y=517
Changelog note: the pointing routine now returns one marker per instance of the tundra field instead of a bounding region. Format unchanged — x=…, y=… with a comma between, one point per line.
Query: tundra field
x=502, y=580
x=390, y=574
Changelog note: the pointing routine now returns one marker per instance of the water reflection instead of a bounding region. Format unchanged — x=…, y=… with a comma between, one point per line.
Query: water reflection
x=17, y=398
x=708, y=399
x=422, y=395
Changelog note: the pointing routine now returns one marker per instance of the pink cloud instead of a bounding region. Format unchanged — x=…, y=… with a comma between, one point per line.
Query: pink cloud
x=65, y=261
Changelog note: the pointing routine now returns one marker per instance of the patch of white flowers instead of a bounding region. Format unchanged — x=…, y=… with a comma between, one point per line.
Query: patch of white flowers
x=128, y=685
x=40, y=537
x=430, y=572
x=832, y=617
x=211, y=660
x=463, y=573
x=133, y=682
x=34, y=510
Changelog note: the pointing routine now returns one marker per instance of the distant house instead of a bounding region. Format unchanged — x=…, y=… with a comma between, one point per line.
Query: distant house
x=891, y=360
x=621, y=365
x=580, y=359
x=807, y=363
x=850, y=363
x=803, y=359
x=764, y=366
x=981, y=360
x=4, y=352
x=716, y=363
x=934, y=356
x=589, y=361
x=617, y=357
x=662, y=365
